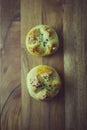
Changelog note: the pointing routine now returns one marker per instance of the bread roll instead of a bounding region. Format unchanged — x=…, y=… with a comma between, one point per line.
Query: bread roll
x=42, y=40
x=43, y=82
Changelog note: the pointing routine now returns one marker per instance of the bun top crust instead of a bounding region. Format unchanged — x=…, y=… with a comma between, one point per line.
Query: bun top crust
x=42, y=40
x=43, y=82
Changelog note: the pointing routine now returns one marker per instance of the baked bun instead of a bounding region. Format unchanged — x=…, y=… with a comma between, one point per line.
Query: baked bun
x=42, y=40
x=43, y=82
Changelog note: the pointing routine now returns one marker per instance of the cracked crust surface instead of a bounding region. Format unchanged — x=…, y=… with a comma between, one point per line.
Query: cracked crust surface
x=43, y=82
x=42, y=40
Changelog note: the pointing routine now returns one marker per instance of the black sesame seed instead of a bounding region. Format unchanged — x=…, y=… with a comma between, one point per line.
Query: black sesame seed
x=46, y=39
x=44, y=44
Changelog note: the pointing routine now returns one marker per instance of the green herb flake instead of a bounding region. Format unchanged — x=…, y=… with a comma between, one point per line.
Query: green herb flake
x=44, y=44
x=34, y=42
x=45, y=77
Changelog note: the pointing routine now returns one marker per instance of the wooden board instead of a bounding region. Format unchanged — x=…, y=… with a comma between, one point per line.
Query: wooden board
x=10, y=89
x=9, y=11
x=75, y=64
x=10, y=72
x=42, y=115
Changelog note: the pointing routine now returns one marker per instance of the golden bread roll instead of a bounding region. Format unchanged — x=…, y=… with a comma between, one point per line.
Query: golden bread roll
x=43, y=82
x=42, y=40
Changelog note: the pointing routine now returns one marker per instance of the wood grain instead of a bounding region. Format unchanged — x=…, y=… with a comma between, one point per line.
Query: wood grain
x=9, y=11
x=75, y=64
x=10, y=72
x=41, y=115
x=11, y=114
x=10, y=62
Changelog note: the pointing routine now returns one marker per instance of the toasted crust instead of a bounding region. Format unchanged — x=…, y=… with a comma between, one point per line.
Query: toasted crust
x=43, y=82
x=41, y=39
